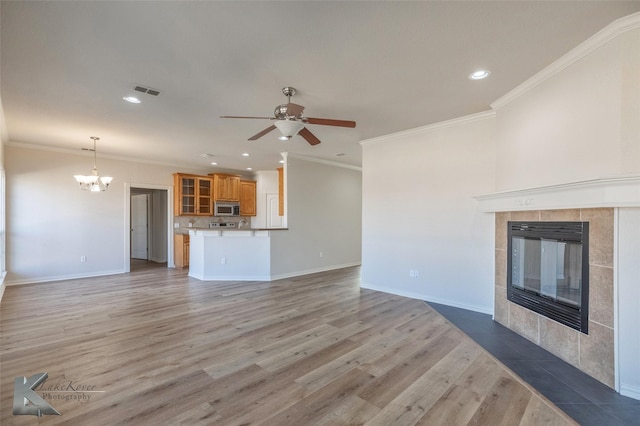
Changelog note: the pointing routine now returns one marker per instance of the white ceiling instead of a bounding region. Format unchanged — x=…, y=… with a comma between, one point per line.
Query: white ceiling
x=390, y=66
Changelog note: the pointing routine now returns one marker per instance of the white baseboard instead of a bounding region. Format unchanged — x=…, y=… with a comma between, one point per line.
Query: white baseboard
x=272, y=277
x=427, y=298
x=312, y=271
x=630, y=391
x=229, y=278
x=3, y=285
x=65, y=277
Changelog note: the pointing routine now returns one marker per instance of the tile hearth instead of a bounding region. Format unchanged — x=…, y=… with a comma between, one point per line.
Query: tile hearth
x=585, y=399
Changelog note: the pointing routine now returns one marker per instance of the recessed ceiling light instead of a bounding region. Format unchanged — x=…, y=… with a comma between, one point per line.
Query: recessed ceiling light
x=205, y=155
x=479, y=75
x=245, y=154
x=214, y=164
x=281, y=161
x=132, y=99
x=249, y=168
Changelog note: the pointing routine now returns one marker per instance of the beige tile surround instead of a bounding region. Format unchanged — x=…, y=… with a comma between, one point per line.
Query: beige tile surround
x=592, y=353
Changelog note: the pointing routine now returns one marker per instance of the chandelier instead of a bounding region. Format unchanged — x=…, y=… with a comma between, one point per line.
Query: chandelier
x=93, y=183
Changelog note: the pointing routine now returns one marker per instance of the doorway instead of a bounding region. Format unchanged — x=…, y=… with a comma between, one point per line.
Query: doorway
x=274, y=220
x=140, y=236
x=148, y=228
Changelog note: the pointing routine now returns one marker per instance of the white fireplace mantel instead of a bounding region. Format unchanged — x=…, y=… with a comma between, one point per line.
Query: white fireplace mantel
x=606, y=192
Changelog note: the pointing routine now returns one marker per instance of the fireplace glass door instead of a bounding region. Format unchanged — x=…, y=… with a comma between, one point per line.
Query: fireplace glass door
x=548, y=270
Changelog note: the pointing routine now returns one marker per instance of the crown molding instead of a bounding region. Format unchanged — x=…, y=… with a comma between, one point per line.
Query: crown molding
x=321, y=161
x=430, y=128
x=184, y=167
x=599, y=39
x=100, y=155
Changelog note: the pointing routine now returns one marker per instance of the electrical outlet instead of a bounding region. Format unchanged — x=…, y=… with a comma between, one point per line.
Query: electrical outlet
x=223, y=261
x=416, y=274
x=83, y=258
x=176, y=225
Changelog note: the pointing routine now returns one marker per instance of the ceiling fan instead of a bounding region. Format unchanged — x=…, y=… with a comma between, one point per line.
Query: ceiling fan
x=290, y=121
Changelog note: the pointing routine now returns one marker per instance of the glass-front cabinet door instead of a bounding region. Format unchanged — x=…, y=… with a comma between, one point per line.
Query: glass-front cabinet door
x=205, y=200
x=193, y=195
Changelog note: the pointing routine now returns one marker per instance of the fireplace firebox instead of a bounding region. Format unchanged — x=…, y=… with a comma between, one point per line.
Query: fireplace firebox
x=548, y=270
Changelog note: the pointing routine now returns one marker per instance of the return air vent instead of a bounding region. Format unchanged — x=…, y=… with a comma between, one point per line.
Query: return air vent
x=147, y=90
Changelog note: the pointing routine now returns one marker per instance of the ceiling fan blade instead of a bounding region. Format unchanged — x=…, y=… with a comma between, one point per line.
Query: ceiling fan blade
x=294, y=110
x=330, y=122
x=262, y=133
x=237, y=116
x=309, y=137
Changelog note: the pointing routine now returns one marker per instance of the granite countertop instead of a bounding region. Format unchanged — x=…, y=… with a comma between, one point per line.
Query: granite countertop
x=186, y=230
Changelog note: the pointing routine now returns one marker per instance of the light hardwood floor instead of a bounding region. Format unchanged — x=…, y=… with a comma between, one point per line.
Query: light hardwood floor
x=158, y=347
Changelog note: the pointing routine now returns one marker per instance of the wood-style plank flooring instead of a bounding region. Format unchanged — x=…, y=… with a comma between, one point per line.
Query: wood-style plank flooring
x=157, y=347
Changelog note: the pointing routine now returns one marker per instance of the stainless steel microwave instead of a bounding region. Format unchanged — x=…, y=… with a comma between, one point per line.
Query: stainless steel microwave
x=226, y=209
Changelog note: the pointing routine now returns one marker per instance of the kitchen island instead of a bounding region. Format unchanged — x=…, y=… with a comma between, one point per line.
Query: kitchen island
x=231, y=254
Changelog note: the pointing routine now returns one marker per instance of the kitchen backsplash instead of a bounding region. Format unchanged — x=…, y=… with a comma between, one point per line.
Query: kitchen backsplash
x=202, y=222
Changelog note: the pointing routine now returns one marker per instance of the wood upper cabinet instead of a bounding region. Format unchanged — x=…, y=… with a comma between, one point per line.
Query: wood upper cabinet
x=225, y=187
x=247, y=198
x=280, y=191
x=193, y=195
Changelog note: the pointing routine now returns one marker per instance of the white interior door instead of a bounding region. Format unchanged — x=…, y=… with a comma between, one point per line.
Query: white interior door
x=273, y=219
x=139, y=226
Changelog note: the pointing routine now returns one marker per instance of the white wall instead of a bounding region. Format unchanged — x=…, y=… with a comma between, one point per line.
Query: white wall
x=419, y=213
x=51, y=222
x=582, y=123
x=3, y=139
x=324, y=213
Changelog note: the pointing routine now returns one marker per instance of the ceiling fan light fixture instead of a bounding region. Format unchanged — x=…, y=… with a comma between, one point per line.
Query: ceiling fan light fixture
x=289, y=128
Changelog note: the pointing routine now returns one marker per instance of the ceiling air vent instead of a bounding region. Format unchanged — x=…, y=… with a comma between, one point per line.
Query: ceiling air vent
x=147, y=90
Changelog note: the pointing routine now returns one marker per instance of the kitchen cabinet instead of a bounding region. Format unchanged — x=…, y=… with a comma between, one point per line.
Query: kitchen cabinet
x=193, y=195
x=247, y=198
x=226, y=187
x=181, y=250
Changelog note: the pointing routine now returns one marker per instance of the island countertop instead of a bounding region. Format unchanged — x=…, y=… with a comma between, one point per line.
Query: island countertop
x=185, y=231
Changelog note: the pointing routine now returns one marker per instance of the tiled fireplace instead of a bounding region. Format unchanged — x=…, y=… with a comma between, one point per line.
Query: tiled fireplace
x=593, y=352
x=611, y=206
